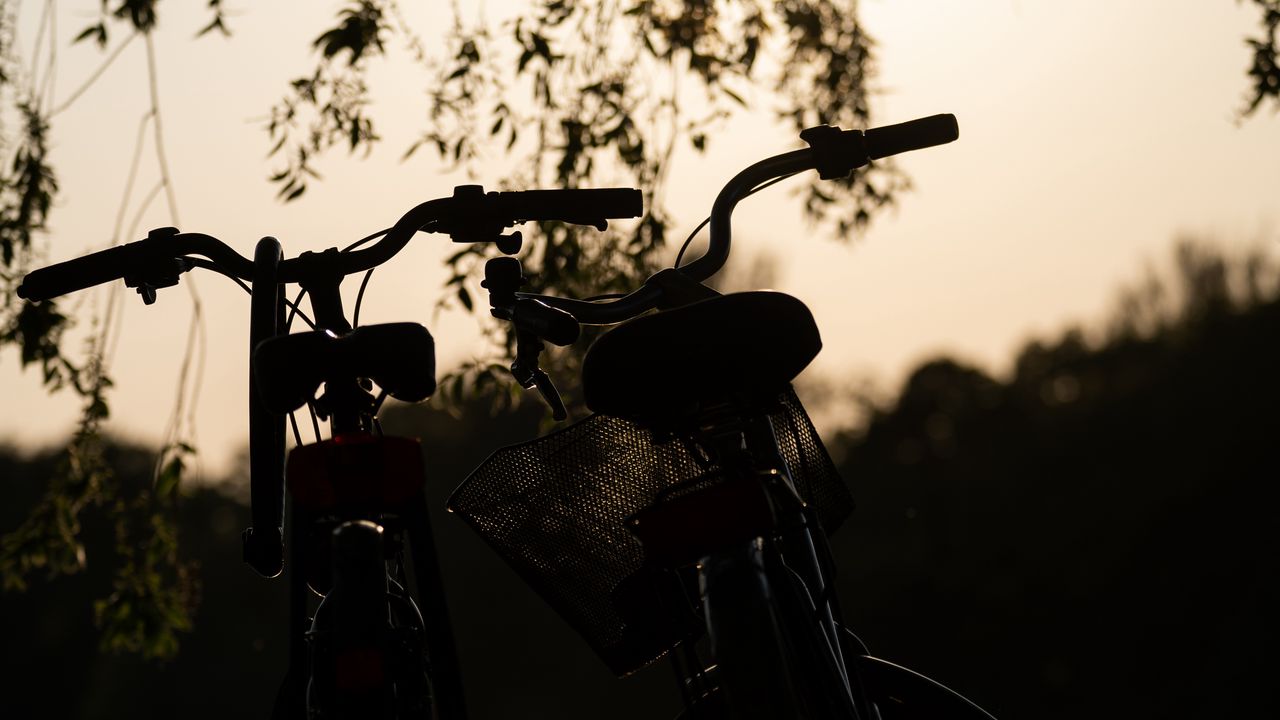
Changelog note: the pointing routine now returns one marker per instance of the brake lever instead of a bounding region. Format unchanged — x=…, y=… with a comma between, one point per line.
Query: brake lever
x=537, y=377
x=532, y=321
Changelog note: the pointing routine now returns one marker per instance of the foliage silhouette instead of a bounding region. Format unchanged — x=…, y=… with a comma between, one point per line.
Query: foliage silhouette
x=518, y=657
x=1264, y=68
x=51, y=657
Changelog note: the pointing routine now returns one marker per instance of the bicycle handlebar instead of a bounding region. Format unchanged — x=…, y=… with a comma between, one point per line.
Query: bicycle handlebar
x=833, y=152
x=469, y=215
x=582, y=207
x=911, y=135
x=82, y=272
x=132, y=261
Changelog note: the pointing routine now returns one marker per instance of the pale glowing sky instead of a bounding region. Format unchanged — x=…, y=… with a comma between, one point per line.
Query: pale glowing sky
x=1092, y=133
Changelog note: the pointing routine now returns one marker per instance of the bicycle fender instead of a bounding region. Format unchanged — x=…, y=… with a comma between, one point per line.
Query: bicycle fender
x=902, y=694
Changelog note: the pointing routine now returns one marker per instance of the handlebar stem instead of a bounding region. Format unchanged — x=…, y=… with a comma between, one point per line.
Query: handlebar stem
x=321, y=276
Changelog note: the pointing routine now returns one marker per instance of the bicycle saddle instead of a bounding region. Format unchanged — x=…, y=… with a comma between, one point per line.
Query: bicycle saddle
x=399, y=357
x=726, y=349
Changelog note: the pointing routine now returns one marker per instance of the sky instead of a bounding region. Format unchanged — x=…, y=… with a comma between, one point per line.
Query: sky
x=1093, y=134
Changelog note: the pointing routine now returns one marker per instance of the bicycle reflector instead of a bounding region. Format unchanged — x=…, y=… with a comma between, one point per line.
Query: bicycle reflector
x=355, y=470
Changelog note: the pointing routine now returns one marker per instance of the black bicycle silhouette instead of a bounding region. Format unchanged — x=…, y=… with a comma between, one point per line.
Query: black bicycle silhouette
x=688, y=516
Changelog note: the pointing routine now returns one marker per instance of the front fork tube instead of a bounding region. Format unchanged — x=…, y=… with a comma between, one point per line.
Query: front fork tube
x=800, y=551
x=446, y=676
x=798, y=545
x=800, y=554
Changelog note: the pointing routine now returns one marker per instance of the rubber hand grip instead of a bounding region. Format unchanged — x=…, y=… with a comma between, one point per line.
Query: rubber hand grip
x=911, y=135
x=570, y=205
x=78, y=274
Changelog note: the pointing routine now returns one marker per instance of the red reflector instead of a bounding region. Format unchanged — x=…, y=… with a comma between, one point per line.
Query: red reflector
x=355, y=469
x=683, y=529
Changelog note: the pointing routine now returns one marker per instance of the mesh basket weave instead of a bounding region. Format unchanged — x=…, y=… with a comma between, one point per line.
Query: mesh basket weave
x=554, y=507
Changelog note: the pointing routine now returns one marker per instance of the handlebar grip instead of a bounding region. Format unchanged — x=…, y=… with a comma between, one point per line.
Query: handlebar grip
x=582, y=207
x=80, y=273
x=911, y=135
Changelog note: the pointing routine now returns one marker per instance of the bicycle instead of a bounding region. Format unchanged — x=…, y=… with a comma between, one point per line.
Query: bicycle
x=354, y=515
x=694, y=502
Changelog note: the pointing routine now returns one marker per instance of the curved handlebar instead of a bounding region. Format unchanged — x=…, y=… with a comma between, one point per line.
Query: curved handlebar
x=578, y=207
x=131, y=261
x=471, y=215
x=470, y=211
x=833, y=152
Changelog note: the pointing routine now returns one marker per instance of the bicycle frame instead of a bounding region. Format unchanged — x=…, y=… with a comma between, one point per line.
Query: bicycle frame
x=765, y=585
x=757, y=545
x=330, y=486
x=330, y=483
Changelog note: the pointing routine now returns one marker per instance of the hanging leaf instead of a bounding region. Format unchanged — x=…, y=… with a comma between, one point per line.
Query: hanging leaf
x=97, y=31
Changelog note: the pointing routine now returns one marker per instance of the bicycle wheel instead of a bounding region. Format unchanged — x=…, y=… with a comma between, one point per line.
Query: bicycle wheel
x=901, y=694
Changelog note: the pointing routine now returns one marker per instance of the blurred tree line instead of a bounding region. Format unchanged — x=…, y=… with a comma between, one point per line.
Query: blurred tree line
x=1092, y=535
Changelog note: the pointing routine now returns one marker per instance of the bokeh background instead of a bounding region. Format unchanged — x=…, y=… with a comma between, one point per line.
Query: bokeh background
x=1048, y=373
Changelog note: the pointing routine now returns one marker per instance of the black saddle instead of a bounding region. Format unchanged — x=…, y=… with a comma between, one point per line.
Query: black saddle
x=738, y=348
x=399, y=357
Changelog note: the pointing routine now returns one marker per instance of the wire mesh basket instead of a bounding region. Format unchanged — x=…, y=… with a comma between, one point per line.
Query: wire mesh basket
x=554, y=509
